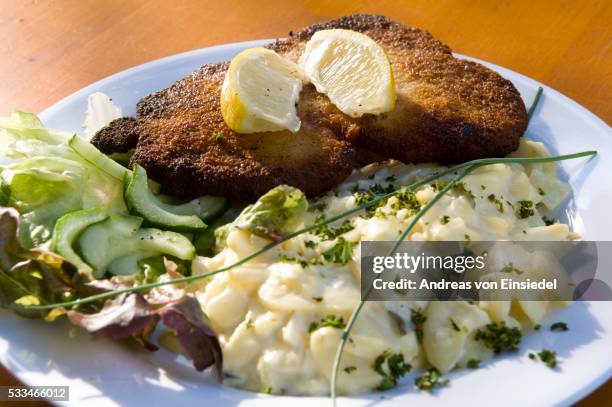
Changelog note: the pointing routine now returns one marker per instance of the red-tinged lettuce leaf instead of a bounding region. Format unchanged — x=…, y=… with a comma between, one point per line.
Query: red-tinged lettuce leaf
x=136, y=315
x=32, y=277
x=125, y=316
x=193, y=331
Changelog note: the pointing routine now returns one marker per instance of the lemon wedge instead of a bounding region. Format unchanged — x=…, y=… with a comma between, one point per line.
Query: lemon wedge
x=351, y=69
x=260, y=91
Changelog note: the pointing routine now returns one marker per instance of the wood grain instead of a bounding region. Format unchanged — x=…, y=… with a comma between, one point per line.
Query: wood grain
x=50, y=49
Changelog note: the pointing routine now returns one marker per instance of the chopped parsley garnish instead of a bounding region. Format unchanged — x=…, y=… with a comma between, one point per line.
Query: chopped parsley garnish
x=267, y=390
x=219, y=137
x=454, y=325
x=497, y=202
x=249, y=324
x=350, y=369
x=406, y=200
x=317, y=206
x=461, y=187
x=548, y=357
x=548, y=221
x=418, y=319
x=444, y=219
x=396, y=369
x=537, y=327
x=311, y=244
x=483, y=187
x=439, y=185
x=288, y=259
x=467, y=237
x=430, y=380
x=541, y=192
x=327, y=233
x=499, y=337
x=509, y=268
x=559, y=327
x=532, y=356
x=317, y=299
x=370, y=194
x=525, y=209
x=390, y=178
x=473, y=364
x=341, y=252
x=330, y=320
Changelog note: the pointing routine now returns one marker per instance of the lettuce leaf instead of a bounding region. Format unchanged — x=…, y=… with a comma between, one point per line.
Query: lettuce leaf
x=32, y=277
x=277, y=213
x=136, y=315
x=43, y=178
x=38, y=277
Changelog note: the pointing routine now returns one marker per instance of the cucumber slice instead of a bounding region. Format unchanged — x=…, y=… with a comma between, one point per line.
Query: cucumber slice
x=103, y=242
x=67, y=230
x=141, y=200
x=165, y=242
x=206, y=207
x=107, y=242
x=90, y=153
x=128, y=264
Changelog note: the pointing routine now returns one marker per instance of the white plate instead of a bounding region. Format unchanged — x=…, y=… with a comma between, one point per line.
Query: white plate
x=104, y=373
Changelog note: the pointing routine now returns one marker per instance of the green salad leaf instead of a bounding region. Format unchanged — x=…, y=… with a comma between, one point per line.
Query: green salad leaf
x=277, y=213
x=45, y=178
x=34, y=276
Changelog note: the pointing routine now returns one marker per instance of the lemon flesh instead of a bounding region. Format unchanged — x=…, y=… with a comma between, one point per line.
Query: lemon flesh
x=260, y=92
x=351, y=69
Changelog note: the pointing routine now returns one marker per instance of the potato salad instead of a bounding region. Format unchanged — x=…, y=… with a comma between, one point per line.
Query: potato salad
x=280, y=316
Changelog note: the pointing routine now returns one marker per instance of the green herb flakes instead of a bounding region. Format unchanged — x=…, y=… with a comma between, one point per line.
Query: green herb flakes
x=330, y=320
x=311, y=244
x=430, y=380
x=473, y=364
x=418, y=319
x=325, y=232
x=396, y=368
x=509, y=268
x=499, y=337
x=559, y=327
x=341, y=252
x=497, y=202
x=548, y=357
x=525, y=210
x=454, y=325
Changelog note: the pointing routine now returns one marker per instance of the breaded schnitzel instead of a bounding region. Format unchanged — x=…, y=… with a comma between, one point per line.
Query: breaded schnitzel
x=447, y=110
x=185, y=145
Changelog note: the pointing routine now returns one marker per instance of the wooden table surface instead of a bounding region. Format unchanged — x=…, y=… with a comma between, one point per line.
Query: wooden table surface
x=50, y=49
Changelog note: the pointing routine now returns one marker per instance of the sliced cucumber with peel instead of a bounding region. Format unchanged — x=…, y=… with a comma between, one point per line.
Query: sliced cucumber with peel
x=128, y=264
x=67, y=230
x=90, y=153
x=120, y=235
x=183, y=217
